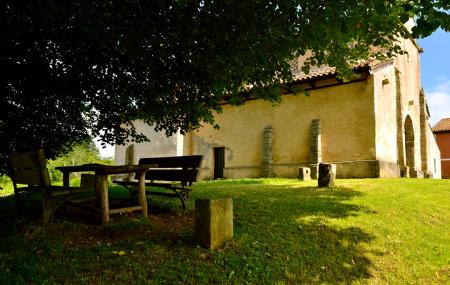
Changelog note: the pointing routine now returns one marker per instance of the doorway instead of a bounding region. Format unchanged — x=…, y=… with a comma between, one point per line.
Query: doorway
x=219, y=162
x=409, y=143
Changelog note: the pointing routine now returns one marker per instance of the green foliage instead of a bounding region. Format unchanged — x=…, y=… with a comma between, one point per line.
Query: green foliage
x=83, y=153
x=370, y=231
x=75, y=68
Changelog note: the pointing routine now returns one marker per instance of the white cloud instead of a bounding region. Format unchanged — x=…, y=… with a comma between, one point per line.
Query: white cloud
x=438, y=100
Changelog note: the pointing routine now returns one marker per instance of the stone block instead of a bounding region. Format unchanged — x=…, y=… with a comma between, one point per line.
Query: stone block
x=327, y=175
x=87, y=181
x=314, y=171
x=213, y=221
x=416, y=173
x=304, y=173
x=404, y=171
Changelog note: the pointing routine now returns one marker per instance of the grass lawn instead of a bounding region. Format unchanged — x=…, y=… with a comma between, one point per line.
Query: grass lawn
x=370, y=231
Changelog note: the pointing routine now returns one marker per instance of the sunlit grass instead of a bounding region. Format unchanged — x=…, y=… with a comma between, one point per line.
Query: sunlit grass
x=369, y=231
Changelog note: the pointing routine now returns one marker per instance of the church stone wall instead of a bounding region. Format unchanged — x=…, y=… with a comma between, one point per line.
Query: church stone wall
x=346, y=124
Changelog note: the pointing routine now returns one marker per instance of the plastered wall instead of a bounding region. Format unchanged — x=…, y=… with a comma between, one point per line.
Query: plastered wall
x=159, y=145
x=347, y=123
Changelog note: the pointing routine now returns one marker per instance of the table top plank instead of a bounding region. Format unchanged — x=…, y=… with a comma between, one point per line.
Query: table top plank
x=106, y=169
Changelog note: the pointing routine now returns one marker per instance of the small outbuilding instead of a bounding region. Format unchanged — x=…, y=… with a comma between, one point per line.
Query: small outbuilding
x=442, y=133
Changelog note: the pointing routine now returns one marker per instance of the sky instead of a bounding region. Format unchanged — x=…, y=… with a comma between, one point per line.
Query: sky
x=435, y=76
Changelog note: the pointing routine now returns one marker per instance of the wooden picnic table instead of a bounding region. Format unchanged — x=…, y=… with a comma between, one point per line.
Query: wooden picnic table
x=101, y=184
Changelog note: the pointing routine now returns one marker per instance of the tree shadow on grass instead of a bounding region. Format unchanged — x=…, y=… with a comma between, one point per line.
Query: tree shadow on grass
x=282, y=233
x=302, y=234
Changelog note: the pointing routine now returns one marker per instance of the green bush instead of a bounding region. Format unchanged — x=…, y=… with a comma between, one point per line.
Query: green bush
x=83, y=153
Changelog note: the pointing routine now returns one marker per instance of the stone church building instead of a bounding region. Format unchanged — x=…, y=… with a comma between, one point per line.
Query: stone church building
x=375, y=125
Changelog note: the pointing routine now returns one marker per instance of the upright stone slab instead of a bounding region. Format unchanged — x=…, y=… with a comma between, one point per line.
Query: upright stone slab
x=314, y=170
x=315, y=148
x=87, y=181
x=266, y=163
x=129, y=160
x=213, y=221
x=327, y=175
x=304, y=173
x=404, y=171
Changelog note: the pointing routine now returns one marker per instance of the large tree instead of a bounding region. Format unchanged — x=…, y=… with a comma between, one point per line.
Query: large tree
x=73, y=69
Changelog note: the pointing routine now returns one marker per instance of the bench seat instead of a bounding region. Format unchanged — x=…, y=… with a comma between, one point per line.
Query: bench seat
x=176, y=174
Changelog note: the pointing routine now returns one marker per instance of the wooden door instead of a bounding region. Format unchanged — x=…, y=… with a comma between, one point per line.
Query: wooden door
x=219, y=162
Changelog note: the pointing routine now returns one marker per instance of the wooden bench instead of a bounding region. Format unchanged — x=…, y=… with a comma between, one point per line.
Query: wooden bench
x=29, y=173
x=177, y=174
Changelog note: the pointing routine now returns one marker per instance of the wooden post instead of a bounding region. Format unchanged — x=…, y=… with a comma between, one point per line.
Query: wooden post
x=66, y=178
x=101, y=187
x=141, y=192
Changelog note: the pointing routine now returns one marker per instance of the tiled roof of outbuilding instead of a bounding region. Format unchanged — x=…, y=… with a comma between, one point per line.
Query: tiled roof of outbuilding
x=442, y=126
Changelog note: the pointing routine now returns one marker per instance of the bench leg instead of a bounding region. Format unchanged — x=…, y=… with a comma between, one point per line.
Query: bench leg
x=141, y=193
x=184, y=196
x=101, y=188
x=49, y=207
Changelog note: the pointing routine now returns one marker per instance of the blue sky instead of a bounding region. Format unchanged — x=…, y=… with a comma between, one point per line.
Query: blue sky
x=435, y=74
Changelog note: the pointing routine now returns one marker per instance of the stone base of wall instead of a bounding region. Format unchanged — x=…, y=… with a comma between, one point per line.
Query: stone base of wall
x=389, y=169
x=345, y=169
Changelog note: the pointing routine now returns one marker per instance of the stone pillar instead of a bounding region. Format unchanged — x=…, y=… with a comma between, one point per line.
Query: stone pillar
x=399, y=116
x=213, y=221
x=404, y=171
x=327, y=175
x=423, y=132
x=304, y=173
x=315, y=150
x=129, y=160
x=266, y=164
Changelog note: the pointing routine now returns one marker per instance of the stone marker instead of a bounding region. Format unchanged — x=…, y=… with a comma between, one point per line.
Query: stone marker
x=87, y=181
x=327, y=175
x=213, y=221
x=314, y=171
x=304, y=173
x=404, y=171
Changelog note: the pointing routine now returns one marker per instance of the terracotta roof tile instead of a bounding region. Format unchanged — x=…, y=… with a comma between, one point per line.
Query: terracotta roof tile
x=442, y=126
x=321, y=71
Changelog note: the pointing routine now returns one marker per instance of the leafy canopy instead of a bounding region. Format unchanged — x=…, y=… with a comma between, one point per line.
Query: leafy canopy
x=74, y=69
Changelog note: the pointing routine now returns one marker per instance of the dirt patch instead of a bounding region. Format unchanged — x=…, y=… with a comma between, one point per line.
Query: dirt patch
x=161, y=225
